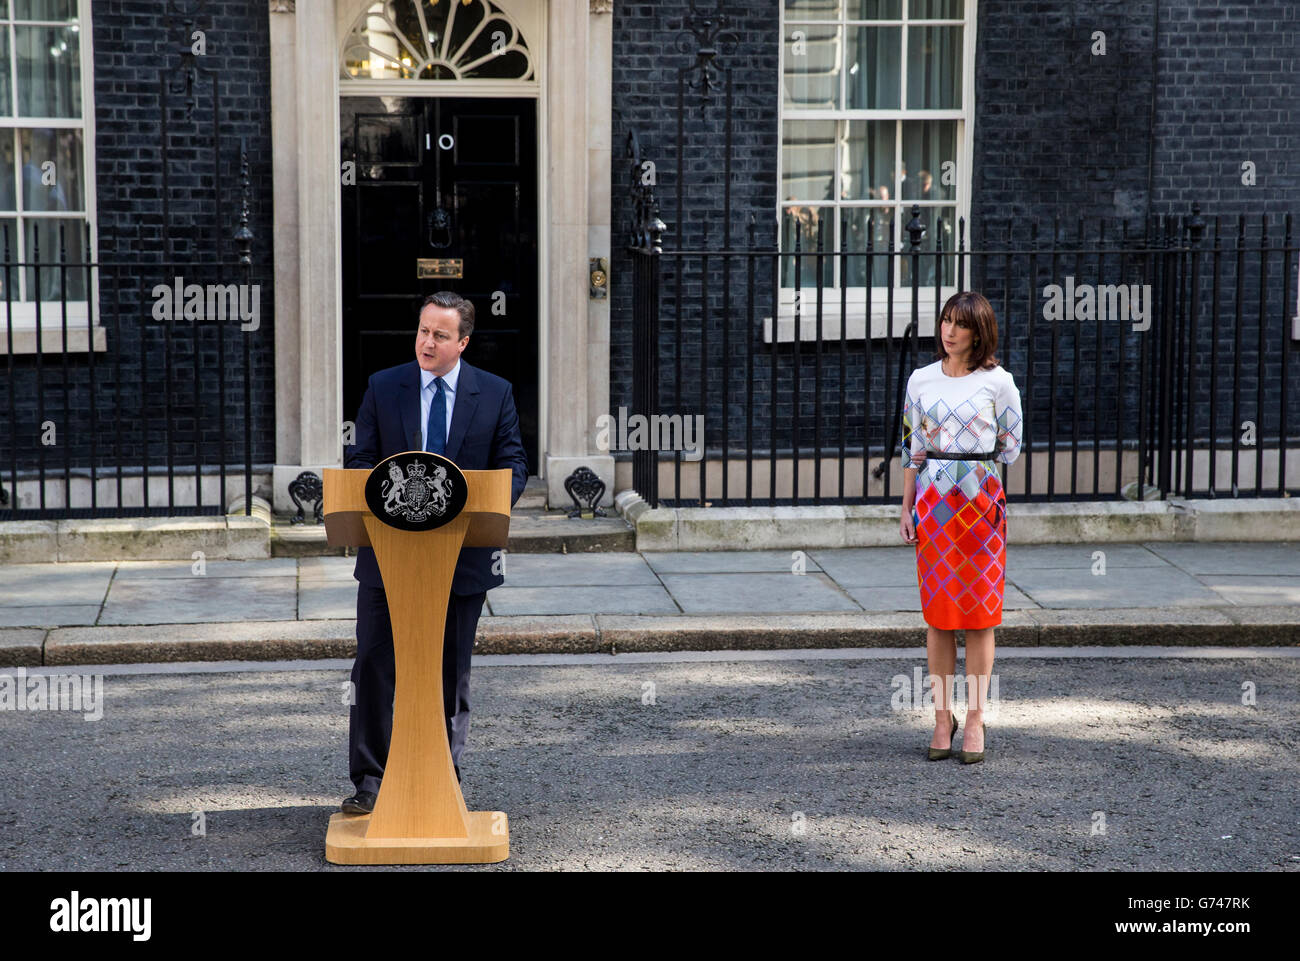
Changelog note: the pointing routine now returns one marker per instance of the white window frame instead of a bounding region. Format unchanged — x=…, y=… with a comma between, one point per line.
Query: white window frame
x=855, y=326
x=51, y=314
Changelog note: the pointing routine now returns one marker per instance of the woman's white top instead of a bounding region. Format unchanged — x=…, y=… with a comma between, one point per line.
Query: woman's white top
x=976, y=413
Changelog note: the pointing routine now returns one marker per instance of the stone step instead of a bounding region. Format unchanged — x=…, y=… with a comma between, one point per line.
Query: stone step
x=534, y=495
x=554, y=532
x=533, y=530
x=300, y=540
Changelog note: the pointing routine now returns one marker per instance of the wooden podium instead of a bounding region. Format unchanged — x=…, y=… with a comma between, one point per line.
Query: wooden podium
x=420, y=815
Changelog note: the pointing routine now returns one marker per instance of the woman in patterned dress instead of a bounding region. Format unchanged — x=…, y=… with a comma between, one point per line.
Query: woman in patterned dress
x=961, y=418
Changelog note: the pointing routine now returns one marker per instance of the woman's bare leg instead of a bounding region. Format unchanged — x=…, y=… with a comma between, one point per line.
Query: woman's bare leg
x=979, y=664
x=941, y=656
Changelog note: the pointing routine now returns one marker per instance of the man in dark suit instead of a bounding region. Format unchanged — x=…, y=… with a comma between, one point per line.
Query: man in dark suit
x=437, y=403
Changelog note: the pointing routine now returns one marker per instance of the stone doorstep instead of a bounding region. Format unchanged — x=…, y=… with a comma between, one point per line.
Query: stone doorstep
x=534, y=495
x=531, y=532
x=301, y=540
x=876, y=525
x=619, y=633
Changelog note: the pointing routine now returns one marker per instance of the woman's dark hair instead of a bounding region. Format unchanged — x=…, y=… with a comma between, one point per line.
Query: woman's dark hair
x=454, y=301
x=972, y=311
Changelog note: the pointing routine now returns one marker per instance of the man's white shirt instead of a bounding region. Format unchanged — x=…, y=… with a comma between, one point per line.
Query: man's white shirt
x=427, y=389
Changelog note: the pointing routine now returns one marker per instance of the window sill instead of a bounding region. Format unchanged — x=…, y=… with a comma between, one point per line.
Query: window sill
x=855, y=323
x=24, y=341
x=855, y=314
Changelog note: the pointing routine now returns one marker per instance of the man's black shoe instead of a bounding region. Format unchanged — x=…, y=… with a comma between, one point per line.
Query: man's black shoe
x=363, y=802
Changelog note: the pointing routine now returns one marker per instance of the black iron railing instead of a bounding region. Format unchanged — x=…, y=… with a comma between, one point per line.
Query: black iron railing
x=1150, y=362
x=139, y=400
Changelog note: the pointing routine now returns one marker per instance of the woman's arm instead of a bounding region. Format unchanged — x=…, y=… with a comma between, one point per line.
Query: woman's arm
x=906, y=529
x=912, y=453
x=1006, y=405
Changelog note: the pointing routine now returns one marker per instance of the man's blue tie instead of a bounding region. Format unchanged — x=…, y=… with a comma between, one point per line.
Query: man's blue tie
x=436, y=431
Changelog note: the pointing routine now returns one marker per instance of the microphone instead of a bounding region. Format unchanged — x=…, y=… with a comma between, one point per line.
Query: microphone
x=415, y=440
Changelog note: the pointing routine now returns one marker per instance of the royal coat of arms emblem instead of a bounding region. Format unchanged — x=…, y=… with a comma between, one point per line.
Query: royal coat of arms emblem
x=417, y=496
x=416, y=491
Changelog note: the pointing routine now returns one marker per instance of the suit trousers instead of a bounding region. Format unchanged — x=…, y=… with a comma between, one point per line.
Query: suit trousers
x=374, y=676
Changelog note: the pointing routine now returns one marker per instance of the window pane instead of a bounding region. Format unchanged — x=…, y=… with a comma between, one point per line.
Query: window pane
x=875, y=67
x=812, y=9
x=372, y=53
x=868, y=155
x=926, y=262
x=875, y=9
x=812, y=67
x=934, y=68
x=927, y=146
x=388, y=44
x=6, y=94
x=800, y=227
x=475, y=26
x=8, y=198
x=857, y=224
x=49, y=74
x=45, y=9
x=807, y=159
x=57, y=187
x=46, y=230
x=936, y=9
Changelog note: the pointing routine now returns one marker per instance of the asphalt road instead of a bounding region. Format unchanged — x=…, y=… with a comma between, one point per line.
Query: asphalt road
x=788, y=764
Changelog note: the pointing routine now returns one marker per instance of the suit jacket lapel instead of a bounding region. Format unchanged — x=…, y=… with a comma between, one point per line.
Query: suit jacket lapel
x=408, y=402
x=463, y=412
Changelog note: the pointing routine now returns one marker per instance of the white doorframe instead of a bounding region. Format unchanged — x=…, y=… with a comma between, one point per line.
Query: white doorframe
x=532, y=26
x=569, y=354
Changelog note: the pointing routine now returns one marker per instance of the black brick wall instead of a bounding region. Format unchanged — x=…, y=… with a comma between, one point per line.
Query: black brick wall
x=1060, y=132
x=1063, y=136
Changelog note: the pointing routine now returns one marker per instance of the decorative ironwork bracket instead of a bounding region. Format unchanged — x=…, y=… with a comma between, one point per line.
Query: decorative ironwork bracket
x=583, y=483
x=187, y=71
x=710, y=29
x=307, y=487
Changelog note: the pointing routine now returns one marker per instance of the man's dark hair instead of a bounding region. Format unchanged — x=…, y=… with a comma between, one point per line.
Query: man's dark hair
x=449, y=298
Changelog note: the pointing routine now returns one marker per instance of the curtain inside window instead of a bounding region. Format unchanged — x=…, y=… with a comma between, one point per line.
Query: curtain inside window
x=934, y=68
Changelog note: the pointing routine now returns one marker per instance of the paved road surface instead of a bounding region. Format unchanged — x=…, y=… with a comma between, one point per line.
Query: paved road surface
x=788, y=762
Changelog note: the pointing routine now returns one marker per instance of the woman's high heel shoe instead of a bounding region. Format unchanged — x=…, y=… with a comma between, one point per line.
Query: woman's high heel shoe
x=939, y=753
x=972, y=757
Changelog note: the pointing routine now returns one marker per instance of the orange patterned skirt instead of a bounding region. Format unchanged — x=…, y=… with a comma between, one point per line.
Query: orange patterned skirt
x=961, y=554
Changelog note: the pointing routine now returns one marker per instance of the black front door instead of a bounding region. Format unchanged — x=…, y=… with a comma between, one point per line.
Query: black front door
x=435, y=184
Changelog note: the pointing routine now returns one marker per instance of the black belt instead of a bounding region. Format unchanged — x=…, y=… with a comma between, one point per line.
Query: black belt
x=940, y=455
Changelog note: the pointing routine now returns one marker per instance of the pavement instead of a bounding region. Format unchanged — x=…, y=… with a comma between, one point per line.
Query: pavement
x=1138, y=759
x=161, y=611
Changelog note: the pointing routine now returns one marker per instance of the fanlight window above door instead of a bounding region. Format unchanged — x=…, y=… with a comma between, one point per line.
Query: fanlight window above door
x=435, y=40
